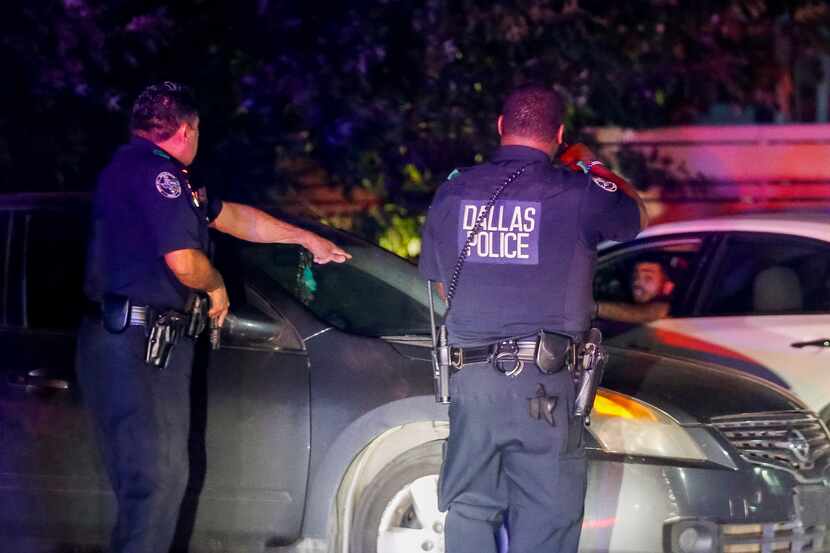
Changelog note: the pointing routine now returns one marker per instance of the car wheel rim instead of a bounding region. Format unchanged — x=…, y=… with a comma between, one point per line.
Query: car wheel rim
x=411, y=521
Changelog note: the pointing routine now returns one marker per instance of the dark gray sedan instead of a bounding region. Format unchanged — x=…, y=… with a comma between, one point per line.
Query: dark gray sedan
x=315, y=429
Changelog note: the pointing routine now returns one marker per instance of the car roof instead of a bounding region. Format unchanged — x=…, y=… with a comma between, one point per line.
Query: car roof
x=808, y=224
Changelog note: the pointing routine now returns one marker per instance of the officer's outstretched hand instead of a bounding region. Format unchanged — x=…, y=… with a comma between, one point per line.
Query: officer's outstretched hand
x=219, y=305
x=575, y=153
x=324, y=250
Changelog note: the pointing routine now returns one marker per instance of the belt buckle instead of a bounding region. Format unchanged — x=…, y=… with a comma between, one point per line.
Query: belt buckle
x=504, y=355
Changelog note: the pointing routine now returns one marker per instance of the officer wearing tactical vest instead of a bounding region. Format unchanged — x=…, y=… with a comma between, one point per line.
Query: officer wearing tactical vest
x=147, y=260
x=512, y=246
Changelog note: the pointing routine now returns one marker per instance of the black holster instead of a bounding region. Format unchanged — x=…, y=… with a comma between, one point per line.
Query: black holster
x=588, y=373
x=165, y=333
x=441, y=367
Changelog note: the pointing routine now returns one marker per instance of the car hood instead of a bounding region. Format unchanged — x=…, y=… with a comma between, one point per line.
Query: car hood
x=692, y=391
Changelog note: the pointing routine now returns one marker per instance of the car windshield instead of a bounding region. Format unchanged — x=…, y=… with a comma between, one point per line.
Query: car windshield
x=374, y=294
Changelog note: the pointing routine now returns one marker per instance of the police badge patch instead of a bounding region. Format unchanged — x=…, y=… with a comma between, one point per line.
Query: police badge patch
x=606, y=185
x=168, y=185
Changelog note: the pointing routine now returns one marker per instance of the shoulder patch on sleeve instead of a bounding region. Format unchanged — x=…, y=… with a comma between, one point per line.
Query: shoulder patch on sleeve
x=161, y=154
x=168, y=185
x=606, y=185
x=453, y=174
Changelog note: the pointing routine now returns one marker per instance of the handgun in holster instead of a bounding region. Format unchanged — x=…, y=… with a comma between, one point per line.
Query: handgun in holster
x=198, y=319
x=165, y=333
x=197, y=316
x=591, y=362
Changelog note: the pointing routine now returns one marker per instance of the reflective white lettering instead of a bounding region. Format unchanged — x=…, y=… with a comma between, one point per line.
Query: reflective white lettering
x=507, y=234
x=501, y=219
x=498, y=245
x=530, y=219
x=509, y=252
x=469, y=217
x=523, y=246
x=516, y=220
x=483, y=244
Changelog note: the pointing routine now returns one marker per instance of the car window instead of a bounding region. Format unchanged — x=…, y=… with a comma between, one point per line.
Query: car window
x=613, y=280
x=54, y=258
x=768, y=275
x=374, y=294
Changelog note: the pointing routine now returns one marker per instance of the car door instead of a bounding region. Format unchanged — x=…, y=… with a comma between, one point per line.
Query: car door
x=249, y=444
x=250, y=427
x=767, y=301
x=53, y=484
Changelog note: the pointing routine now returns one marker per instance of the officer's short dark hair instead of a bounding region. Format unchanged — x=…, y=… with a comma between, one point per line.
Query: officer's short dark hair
x=161, y=108
x=532, y=111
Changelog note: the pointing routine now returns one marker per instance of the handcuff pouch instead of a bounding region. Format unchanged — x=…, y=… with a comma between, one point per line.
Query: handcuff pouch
x=552, y=351
x=115, y=312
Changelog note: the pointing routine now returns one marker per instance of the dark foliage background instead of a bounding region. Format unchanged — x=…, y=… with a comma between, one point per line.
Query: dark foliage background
x=387, y=95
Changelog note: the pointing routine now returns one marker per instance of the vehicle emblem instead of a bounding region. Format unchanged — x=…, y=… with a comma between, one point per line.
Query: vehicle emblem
x=799, y=446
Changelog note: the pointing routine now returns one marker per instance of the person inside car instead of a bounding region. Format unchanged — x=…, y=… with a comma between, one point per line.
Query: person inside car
x=651, y=292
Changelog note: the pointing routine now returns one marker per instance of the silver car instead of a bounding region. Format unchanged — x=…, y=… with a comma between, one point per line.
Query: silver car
x=750, y=291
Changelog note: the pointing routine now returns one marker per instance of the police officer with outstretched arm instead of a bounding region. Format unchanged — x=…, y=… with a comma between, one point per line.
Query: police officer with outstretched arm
x=147, y=269
x=512, y=246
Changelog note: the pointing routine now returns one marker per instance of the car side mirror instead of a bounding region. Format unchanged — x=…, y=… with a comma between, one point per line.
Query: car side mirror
x=253, y=330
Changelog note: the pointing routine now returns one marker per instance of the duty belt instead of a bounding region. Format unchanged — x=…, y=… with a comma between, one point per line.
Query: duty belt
x=139, y=314
x=521, y=350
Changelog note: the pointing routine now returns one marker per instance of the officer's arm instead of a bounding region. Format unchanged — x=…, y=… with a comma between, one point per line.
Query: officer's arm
x=627, y=188
x=254, y=225
x=632, y=312
x=580, y=152
x=194, y=270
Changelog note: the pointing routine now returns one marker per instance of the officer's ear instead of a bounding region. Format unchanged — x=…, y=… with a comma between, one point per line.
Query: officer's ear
x=500, y=125
x=182, y=133
x=190, y=130
x=560, y=134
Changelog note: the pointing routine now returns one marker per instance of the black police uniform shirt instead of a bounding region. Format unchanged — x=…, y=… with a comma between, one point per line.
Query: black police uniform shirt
x=531, y=266
x=144, y=208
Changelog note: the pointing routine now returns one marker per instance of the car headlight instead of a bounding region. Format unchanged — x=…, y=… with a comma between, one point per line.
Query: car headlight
x=621, y=424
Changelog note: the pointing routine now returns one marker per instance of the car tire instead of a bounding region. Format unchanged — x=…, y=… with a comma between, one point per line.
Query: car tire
x=398, y=510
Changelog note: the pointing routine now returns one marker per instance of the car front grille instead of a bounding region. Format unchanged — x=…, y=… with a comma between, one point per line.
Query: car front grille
x=795, y=441
x=777, y=537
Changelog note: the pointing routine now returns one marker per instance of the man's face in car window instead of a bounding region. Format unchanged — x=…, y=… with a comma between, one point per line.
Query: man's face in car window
x=649, y=282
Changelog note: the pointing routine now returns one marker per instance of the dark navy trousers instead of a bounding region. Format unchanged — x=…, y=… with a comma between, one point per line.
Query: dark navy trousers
x=142, y=416
x=500, y=460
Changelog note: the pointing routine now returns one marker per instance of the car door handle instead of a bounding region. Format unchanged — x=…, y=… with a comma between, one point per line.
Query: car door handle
x=38, y=379
x=820, y=343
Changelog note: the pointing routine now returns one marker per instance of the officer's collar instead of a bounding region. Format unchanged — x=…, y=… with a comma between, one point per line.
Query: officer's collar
x=522, y=153
x=152, y=147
